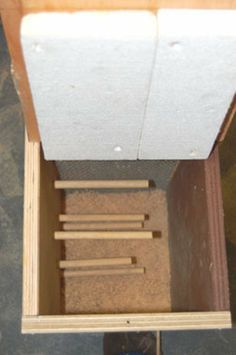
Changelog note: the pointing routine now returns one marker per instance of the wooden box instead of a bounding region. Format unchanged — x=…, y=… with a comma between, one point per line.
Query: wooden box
x=186, y=271
x=188, y=284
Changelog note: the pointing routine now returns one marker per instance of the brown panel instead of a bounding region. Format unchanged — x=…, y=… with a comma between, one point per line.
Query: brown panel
x=197, y=249
x=11, y=22
x=50, y=250
x=228, y=120
x=228, y=174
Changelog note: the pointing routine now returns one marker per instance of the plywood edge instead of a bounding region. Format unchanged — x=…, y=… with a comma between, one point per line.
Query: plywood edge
x=10, y=4
x=70, y=5
x=227, y=121
x=216, y=231
x=126, y=322
x=11, y=19
x=31, y=229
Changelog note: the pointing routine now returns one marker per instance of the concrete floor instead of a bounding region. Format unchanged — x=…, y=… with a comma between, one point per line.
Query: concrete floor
x=11, y=203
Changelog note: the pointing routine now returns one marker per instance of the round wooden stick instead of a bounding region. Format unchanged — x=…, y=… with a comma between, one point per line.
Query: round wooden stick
x=102, y=235
x=102, y=217
x=101, y=184
x=101, y=226
x=63, y=264
x=104, y=272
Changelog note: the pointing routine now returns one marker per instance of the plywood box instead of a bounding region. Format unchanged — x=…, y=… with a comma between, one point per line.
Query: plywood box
x=185, y=282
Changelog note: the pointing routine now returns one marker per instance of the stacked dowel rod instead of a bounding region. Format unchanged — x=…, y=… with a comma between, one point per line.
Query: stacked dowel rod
x=67, y=235
x=122, y=271
x=103, y=227
x=102, y=217
x=63, y=264
x=101, y=184
x=113, y=263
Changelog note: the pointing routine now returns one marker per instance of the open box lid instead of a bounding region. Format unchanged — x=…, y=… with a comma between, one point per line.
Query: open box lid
x=130, y=84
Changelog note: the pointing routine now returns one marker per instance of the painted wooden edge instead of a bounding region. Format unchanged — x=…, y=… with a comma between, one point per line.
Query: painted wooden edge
x=69, y=235
x=126, y=322
x=101, y=184
x=95, y=262
x=227, y=121
x=55, y=5
x=101, y=226
x=216, y=228
x=10, y=4
x=104, y=272
x=102, y=217
x=31, y=229
x=11, y=20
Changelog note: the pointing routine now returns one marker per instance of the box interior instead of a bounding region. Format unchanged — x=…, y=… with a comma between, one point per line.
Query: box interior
x=181, y=265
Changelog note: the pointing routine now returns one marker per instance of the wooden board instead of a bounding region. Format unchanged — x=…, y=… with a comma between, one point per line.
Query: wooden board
x=42, y=203
x=11, y=20
x=228, y=120
x=31, y=235
x=197, y=246
x=70, y=5
x=51, y=201
x=227, y=152
x=126, y=322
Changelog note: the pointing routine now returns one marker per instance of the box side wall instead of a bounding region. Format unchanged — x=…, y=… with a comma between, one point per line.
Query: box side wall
x=51, y=201
x=196, y=238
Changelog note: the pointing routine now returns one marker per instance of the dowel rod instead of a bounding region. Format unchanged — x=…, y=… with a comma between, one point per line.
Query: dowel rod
x=63, y=264
x=101, y=226
x=103, y=272
x=103, y=235
x=101, y=184
x=102, y=217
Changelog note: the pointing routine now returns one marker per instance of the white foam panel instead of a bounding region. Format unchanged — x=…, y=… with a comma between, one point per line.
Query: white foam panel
x=130, y=84
x=194, y=80
x=89, y=74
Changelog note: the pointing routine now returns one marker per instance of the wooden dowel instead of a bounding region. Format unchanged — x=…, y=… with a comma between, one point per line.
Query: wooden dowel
x=102, y=217
x=101, y=184
x=101, y=226
x=104, y=272
x=103, y=235
x=63, y=264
